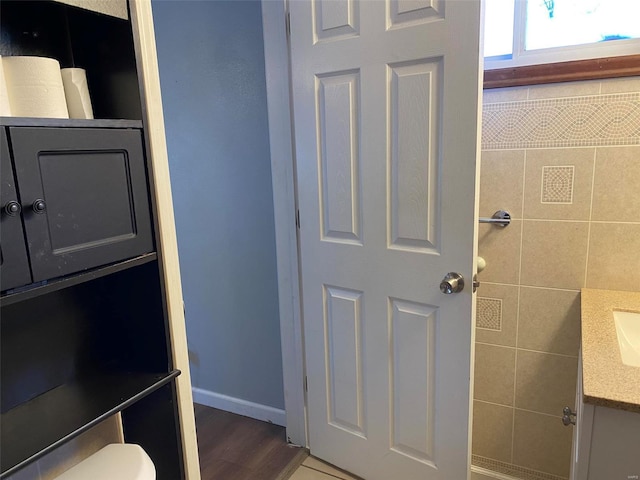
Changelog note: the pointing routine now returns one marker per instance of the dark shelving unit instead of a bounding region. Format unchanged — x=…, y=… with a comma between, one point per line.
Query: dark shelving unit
x=84, y=327
x=35, y=428
x=69, y=122
x=37, y=289
x=101, y=44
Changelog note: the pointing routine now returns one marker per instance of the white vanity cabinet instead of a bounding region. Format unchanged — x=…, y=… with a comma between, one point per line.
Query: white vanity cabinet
x=606, y=441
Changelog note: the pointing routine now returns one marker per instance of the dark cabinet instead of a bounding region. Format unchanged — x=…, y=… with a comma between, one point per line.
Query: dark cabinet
x=87, y=335
x=84, y=200
x=14, y=265
x=85, y=324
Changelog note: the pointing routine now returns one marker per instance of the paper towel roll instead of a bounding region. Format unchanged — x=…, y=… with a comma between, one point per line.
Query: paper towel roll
x=35, y=89
x=77, y=92
x=5, y=109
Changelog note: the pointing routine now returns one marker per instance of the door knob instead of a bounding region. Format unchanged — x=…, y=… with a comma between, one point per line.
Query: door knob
x=452, y=283
x=12, y=208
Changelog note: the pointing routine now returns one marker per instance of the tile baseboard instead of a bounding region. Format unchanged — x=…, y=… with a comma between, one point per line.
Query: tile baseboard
x=508, y=471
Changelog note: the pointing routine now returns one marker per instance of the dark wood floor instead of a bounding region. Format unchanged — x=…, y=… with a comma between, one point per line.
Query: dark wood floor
x=233, y=447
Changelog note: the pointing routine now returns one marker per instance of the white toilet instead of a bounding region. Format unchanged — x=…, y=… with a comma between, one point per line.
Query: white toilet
x=117, y=461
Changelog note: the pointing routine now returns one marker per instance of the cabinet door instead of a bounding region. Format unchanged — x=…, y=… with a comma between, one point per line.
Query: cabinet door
x=14, y=265
x=84, y=195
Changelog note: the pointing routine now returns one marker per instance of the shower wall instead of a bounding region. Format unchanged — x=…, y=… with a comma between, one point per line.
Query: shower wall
x=564, y=160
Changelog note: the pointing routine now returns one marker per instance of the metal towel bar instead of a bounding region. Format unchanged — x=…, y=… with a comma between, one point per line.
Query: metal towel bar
x=501, y=218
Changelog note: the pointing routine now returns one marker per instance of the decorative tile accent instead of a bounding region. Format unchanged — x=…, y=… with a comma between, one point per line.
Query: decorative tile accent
x=515, y=471
x=557, y=184
x=489, y=313
x=562, y=122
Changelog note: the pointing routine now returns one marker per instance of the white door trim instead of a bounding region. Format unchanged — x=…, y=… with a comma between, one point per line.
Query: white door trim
x=145, y=40
x=276, y=54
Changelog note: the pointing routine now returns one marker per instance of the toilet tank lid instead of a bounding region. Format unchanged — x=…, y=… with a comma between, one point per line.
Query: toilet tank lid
x=117, y=461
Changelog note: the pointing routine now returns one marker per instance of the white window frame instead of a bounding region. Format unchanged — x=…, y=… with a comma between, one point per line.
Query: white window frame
x=522, y=57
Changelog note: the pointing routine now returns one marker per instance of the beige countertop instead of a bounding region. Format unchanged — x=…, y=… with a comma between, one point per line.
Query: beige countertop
x=606, y=380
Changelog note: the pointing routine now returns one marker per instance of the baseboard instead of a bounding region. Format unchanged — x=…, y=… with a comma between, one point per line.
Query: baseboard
x=500, y=470
x=239, y=406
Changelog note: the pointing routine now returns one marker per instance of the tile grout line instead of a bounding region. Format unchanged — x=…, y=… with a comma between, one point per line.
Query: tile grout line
x=524, y=182
x=569, y=220
x=515, y=363
x=518, y=408
x=515, y=367
x=527, y=350
x=615, y=223
x=593, y=183
x=320, y=471
x=534, y=286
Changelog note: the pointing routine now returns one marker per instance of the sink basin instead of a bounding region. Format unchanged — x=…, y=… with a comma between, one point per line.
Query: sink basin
x=628, y=330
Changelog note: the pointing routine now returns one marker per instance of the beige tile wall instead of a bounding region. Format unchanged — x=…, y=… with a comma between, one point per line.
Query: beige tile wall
x=576, y=212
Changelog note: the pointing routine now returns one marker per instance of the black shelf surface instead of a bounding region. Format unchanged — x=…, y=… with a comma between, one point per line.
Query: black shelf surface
x=37, y=427
x=69, y=122
x=35, y=290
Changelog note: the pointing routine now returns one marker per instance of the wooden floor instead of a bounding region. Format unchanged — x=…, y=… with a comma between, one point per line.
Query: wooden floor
x=233, y=447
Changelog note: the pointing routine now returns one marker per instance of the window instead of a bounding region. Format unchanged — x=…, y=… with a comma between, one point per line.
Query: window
x=534, y=32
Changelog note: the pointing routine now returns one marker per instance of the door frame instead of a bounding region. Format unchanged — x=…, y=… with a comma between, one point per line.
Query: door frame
x=279, y=105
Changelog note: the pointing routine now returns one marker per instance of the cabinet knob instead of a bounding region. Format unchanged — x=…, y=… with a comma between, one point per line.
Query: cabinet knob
x=39, y=206
x=568, y=416
x=12, y=208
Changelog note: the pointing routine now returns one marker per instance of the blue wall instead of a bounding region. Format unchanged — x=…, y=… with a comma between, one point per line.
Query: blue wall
x=211, y=61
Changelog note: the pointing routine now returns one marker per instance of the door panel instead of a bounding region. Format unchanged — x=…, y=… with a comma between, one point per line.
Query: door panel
x=93, y=184
x=405, y=11
x=339, y=157
x=343, y=319
x=336, y=19
x=14, y=263
x=412, y=376
x=386, y=115
x=414, y=155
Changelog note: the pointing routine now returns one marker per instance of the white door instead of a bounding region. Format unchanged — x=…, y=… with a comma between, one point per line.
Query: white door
x=386, y=108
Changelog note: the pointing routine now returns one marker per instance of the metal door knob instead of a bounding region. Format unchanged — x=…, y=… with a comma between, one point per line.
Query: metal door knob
x=12, y=208
x=452, y=283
